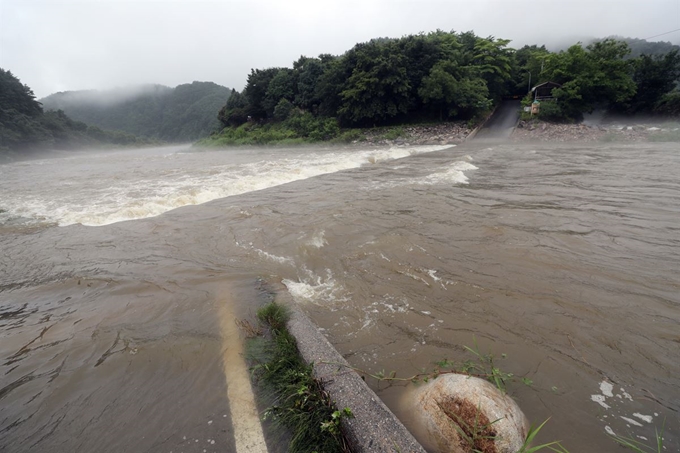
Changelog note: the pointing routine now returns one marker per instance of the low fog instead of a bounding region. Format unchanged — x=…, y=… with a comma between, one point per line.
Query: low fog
x=73, y=45
x=112, y=96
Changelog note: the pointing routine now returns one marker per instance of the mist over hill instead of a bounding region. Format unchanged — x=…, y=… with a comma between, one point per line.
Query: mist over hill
x=184, y=113
x=640, y=47
x=637, y=46
x=25, y=129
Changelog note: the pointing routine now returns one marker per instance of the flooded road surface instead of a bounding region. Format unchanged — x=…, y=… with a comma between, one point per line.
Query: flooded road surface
x=116, y=335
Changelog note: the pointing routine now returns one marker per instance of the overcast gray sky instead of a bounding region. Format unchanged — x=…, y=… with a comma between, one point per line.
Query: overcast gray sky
x=54, y=45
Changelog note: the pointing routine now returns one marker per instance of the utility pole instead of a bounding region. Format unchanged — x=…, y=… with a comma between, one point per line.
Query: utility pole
x=529, y=87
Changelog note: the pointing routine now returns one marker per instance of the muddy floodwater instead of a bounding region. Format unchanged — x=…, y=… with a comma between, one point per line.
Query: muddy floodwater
x=121, y=274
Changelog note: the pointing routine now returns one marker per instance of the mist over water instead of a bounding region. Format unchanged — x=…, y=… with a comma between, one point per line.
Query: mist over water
x=565, y=257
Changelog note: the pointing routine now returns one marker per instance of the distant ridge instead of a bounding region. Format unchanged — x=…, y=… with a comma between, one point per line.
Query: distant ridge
x=25, y=129
x=184, y=113
x=642, y=46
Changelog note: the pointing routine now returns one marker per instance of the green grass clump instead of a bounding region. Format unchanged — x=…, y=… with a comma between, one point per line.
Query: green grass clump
x=393, y=133
x=300, y=403
x=349, y=136
x=275, y=316
x=299, y=128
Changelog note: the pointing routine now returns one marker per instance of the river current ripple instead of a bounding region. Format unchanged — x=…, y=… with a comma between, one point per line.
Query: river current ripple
x=116, y=268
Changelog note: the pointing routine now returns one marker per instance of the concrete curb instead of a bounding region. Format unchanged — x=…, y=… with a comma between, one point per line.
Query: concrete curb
x=516, y=124
x=472, y=134
x=374, y=428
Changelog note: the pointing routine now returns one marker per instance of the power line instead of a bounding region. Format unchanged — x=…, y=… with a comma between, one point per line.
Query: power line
x=667, y=33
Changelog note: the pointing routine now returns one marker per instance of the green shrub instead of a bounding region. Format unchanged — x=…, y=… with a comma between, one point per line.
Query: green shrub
x=307, y=125
x=552, y=111
x=325, y=129
x=394, y=133
x=283, y=109
x=669, y=104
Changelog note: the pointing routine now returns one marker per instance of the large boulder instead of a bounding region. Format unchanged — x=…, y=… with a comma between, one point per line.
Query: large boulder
x=460, y=414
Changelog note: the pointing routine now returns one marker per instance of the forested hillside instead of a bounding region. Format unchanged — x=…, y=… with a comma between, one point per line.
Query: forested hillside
x=640, y=47
x=25, y=127
x=447, y=76
x=439, y=75
x=184, y=113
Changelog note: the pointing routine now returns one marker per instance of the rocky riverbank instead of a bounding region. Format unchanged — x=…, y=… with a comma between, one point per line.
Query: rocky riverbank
x=550, y=132
x=455, y=133
x=449, y=133
x=438, y=134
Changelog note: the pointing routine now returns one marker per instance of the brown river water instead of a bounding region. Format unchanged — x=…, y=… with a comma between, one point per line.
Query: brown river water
x=120, y=270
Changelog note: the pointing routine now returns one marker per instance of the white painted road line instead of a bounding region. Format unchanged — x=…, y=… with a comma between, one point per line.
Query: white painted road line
x=244, y=416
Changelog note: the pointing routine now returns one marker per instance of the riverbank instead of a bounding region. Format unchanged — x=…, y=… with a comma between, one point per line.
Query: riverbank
x=614, y=132
x=446, y=133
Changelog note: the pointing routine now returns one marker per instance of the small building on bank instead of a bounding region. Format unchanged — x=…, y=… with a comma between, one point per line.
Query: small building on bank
x=543, y=92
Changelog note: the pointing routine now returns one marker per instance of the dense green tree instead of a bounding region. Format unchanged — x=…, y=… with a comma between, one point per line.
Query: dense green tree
x=378, y=88
x=235, y=111
x=20, y=114
x=669, y=104
x=448, y=45
x=447, y=75
x=596, y=76
x=421, y=52
x=493, y=60
x=331, y=83
x=256, y=91
x=612, y=72
x=308, y=71
x=528, y=68
x=281, y=86
x=283, y=110
x=655, y=76
x=450, y=91
x=16, y=94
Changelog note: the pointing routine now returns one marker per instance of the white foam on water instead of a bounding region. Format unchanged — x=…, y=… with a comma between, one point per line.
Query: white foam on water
x=275, y=258
x=617, y=405
x=600, y=399
x=645, y=418
x=606, y=388
x=631, y=421
x=415, y=277
x=315, y=289
x=104, y=189
x=454, y=174
x=389, y=307
x=317, y=240
x=432, y=273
